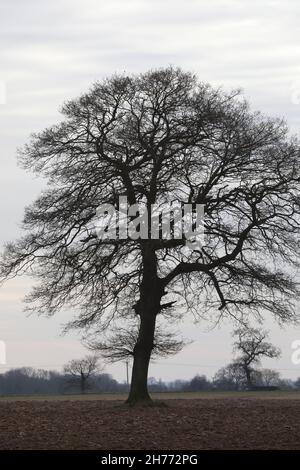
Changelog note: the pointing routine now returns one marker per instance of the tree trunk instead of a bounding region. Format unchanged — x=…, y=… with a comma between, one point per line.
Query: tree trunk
x=82, y=384
x=142, y=354
x=147, y=308
x=248, y=377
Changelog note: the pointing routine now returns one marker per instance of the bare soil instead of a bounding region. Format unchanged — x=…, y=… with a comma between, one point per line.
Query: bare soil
x=191, y=424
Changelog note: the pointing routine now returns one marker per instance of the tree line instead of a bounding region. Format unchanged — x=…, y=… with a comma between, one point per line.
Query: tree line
x=30, y=381
x=84, y=375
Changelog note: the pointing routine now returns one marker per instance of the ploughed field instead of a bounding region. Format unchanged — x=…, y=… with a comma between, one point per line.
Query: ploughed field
x=210, y=421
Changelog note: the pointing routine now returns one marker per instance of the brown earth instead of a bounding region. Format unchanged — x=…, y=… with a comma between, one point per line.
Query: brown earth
x=209, y=423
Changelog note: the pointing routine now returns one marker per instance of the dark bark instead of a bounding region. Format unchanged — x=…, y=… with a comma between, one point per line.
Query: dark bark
x=142, y=354
x=147, y=308
x=248, y=376
x=82, y=383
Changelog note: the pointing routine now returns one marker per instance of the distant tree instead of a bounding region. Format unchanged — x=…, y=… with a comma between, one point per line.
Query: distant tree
x=106, y=383
x=155, y=385
x=30, y=381
x=266, y=377
x=27, y=380
x=82, y=370
x=297, y=383
x=230, y=377
x=178, y=385
x=198, y=383
x=157, y=138
x=20, y=381
x=286, y=384
x=252, y=347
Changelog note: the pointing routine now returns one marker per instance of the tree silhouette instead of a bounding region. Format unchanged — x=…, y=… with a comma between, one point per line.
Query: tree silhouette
x=157, y=138
x=252, y=347
x=230, y=377
x=267, y=378
x=82, y=370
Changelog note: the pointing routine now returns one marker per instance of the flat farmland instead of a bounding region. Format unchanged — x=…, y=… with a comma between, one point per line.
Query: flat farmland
x=194, y=421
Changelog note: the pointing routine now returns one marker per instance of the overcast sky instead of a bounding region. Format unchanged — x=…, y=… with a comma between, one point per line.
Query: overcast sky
x=52, y=50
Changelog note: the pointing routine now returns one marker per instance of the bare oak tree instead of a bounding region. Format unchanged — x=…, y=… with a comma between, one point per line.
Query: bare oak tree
x=82, y=370
x=252, y=347
x=156, y=138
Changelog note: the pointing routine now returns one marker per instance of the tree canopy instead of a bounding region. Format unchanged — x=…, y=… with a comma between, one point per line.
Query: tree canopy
x=160, y=137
